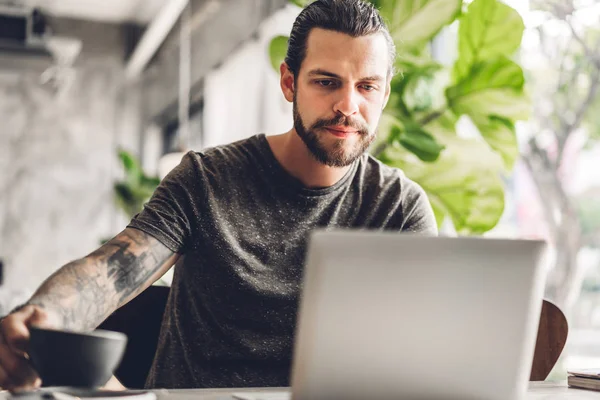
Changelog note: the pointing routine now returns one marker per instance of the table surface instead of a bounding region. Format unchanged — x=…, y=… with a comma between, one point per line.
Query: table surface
x=537, y=391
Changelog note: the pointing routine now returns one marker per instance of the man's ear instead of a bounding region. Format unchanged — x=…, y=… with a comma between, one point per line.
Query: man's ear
x=287, y=82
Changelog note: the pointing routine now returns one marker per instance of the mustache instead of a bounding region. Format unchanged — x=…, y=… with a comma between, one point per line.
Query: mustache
x=341, y=120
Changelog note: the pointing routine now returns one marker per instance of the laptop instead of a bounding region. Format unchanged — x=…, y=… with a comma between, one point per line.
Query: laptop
x=402, y=316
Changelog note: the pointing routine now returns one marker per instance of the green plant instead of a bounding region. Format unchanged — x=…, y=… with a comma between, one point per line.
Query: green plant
x=418, y=131
x=136, y=188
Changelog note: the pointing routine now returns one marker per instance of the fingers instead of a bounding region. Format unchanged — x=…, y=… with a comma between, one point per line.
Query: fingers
x=16, y=373
x=4, y=378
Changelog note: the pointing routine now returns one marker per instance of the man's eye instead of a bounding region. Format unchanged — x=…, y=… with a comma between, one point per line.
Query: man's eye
x=326, y=83
x=368, y=88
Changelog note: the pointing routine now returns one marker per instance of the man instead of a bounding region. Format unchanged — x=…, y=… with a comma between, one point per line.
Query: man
x=240, y=216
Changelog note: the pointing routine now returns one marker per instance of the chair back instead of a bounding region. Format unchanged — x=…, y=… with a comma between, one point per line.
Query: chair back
x=140, y=320
x=551, y=339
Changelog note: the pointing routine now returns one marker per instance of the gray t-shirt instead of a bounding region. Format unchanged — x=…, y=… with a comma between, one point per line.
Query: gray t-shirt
x=241, y=223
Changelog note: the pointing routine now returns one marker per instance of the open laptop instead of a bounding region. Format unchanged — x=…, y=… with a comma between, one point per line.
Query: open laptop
x=398, y=316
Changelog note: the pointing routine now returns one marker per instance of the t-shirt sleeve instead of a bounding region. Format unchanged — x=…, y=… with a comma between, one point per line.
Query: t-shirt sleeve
x=169, y=214
x=417, y=211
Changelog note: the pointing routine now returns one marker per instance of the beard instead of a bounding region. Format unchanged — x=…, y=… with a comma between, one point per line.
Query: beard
x=340, y=153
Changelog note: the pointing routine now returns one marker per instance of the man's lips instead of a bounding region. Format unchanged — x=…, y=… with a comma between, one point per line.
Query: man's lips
x=345, y=129
x=341, y=131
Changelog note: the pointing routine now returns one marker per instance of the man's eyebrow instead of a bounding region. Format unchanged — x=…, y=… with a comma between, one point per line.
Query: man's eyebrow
x=322, y=72
x=374, y=78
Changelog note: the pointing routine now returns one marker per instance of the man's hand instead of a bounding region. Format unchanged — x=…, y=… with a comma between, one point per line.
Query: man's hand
x=16, y=372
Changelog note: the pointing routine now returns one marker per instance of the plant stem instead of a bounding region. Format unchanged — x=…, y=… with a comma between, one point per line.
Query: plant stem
x=432, y=117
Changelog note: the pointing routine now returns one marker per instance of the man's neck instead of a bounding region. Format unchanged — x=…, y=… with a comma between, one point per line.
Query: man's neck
x=296, y=159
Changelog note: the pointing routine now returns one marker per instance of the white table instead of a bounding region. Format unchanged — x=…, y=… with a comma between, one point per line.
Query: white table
x=558, y=390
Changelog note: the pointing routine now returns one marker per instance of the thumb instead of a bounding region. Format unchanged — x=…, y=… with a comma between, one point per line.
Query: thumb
x=41, y=318
x=15, y=326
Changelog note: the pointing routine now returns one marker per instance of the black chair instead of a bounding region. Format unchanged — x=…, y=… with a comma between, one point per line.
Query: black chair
x=140, y=320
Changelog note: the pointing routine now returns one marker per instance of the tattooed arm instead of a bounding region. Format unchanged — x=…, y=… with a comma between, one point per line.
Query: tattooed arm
x=80, y=295
x=86, y=291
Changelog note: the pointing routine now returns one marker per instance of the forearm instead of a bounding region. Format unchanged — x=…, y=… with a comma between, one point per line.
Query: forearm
x=84, y=292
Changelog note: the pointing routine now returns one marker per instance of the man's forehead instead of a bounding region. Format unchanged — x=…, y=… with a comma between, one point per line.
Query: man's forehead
x=339, y=52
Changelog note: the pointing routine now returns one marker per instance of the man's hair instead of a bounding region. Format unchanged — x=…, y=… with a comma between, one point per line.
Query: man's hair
x=352, y=17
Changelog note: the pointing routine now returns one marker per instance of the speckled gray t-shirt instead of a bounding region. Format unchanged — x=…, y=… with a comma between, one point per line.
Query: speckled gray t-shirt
x=241, y=222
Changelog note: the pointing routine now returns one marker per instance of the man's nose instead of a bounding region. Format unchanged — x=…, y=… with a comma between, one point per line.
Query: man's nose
x=347, y=103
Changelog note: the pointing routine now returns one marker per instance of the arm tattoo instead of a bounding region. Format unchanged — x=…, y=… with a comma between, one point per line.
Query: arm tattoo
x=84, y=292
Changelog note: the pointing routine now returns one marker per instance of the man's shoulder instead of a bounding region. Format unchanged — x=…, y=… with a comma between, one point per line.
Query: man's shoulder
x=234, y=154
x=385, y=176
x=239, y=148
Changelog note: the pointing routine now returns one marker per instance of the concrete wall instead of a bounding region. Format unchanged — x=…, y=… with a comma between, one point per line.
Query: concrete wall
x=57, y=158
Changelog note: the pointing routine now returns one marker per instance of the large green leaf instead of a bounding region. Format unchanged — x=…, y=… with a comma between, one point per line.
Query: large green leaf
x=404, y=94
x=493, y=87
x=421, y=143
x=487, y=30
x=501, y=135
x=419, y=93
x=414, y=22
x=278, y=50
x=415, y=58
x=464, y=183
x=444, y=125
x=409, y=135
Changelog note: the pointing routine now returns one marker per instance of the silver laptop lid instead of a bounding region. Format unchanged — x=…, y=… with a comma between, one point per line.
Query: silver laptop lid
x=389, y=315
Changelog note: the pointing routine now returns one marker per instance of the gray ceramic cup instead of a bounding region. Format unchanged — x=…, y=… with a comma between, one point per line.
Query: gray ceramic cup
x=85, y=360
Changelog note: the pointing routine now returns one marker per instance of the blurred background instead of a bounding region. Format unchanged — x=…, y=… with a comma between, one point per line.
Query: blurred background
x=493, y=112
